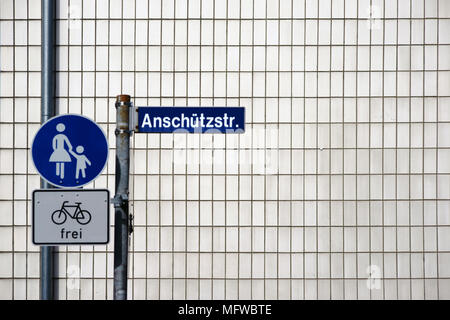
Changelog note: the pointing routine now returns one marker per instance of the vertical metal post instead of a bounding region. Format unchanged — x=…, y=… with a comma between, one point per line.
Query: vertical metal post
x=47, y=111
x=121, y=198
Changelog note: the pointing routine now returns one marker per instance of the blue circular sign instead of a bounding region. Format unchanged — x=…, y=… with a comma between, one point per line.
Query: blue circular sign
x=69, y=150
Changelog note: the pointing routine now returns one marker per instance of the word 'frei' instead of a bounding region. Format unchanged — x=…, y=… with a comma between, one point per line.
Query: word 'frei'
x=66, y=234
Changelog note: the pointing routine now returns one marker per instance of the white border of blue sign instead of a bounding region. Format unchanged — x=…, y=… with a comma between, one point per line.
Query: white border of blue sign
x=167, y=112
x=62, y=115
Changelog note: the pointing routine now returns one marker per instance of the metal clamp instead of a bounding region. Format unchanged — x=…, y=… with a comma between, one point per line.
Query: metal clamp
x=123, y=103
x=130, y=226
x=119, y=131
x=119, y=200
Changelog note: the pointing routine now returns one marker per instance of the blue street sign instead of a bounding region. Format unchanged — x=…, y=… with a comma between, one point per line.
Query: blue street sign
x=69, y=150
x=191, y=119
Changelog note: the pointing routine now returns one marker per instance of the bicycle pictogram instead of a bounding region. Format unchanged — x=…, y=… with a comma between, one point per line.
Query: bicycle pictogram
x=60, y=216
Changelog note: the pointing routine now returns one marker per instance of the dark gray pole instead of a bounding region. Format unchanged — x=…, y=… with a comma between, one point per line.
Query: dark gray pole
x=47, y=111
x=121, y=198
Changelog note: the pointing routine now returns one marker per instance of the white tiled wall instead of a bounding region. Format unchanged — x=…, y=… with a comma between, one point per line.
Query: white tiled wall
x=339, y=189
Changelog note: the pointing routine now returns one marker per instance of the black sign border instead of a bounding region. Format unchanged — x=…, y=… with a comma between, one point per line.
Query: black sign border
x=65, y=243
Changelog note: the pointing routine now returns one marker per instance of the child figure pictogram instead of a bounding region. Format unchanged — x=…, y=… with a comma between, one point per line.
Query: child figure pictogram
x=82, y=160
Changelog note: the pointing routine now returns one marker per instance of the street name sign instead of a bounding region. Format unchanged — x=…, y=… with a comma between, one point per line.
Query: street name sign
x=190, y=120
x=64, y=217
x=69, y=151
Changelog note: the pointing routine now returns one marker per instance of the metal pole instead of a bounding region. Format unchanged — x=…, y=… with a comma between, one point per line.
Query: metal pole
x=121, y=230
x=47, y=111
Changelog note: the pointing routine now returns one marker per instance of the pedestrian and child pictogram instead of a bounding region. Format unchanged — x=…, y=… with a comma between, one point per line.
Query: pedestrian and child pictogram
x=69, y=151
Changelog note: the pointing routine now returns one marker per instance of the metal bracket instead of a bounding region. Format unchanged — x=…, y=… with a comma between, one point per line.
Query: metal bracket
x=130, y=226
x=119, y=131
x=131, y=118
x=119, y=199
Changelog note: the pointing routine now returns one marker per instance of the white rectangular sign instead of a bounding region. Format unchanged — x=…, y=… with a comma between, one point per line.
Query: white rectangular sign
x=62, y=216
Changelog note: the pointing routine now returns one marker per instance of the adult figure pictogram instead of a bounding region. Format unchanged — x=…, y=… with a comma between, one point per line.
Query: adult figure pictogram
x=60, y=154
